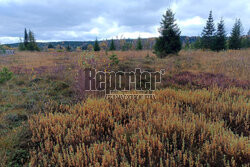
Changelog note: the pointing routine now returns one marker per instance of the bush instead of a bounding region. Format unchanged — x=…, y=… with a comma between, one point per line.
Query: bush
x=114, y=60
x=19, y=158
x=5, y=75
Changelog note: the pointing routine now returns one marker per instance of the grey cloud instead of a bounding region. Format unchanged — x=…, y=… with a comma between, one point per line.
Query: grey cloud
x=86, y=20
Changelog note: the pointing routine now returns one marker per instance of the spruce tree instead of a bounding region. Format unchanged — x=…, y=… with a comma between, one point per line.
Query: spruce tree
x=112, y=45
x=220, y=37
x=68, y=48
x=139, y=44
x=50, y=46
x=32, y=45
x=21, y=45
x=207, y=39
x=169, y=41
x=96, y=46
x=26, y=39
x=31, y=41
x=235, y=38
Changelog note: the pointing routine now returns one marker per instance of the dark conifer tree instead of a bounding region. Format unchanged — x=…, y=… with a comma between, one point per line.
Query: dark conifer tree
x=68, y=48
x=31, y=41
x=50, y=46
x=32, y=45
x=26, y=39
x=139, y=44
x=236, y=35
x=112, y=45
x=207, y=39
x=220, y=37
x=169, y=41
x=21, y=45
x=96, y=46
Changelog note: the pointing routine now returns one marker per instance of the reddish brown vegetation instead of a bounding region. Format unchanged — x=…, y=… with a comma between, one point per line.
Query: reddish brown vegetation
x=205, y=80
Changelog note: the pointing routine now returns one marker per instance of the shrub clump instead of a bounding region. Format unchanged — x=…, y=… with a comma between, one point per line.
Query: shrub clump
x=205, y=80
x=5, y=75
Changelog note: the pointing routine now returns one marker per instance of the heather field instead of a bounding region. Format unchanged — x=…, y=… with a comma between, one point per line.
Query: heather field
x=200, y=116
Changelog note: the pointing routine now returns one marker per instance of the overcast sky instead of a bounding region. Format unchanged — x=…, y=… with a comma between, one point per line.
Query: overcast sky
x=81, y=20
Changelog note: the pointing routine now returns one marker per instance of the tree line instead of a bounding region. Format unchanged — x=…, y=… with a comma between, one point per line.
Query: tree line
x=169, y=41
x=112, y=46
x=217, y=40
x=107, y=45
x=211, y=39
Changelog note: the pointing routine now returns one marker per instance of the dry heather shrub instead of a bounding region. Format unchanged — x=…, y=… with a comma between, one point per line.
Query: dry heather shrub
x=204, y=80
x=180, y=128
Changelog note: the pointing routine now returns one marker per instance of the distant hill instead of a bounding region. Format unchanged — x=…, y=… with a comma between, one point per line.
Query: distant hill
x=83, y=44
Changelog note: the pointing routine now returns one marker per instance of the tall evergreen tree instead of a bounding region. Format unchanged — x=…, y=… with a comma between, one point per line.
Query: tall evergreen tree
x=26, y=38
x=21, y=45
x=31, y=41
x=68, y=48
x=112, y=45
x=96, y=46
x=32, y=45
x=207, y=36
x=220, y=37
x=236, y=38
x=169, y=41
x=139, y=44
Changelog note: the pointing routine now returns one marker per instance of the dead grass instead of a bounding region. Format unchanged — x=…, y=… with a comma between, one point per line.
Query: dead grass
x=232, y=63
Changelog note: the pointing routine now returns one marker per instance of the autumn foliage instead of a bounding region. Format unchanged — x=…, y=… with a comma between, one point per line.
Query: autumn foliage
x=180, y=128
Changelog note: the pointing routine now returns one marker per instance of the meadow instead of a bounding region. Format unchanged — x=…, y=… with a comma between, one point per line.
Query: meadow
x=200, y=116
